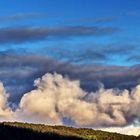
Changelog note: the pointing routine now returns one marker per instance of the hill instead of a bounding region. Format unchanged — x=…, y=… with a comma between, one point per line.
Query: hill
x=25, y=131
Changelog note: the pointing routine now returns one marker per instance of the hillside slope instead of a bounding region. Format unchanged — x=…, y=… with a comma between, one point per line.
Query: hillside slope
x=25, y=131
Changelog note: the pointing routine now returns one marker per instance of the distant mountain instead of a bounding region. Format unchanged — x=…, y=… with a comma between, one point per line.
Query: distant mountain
x=25, y=131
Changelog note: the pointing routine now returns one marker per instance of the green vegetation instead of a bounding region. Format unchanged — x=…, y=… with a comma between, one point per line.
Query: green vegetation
x=25, y=131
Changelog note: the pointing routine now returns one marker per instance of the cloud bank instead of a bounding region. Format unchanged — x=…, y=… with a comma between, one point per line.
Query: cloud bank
x=56, y=97
x=26, y=68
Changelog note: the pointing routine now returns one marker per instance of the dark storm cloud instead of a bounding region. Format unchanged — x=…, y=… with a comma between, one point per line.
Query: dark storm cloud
x=20, y=71
x=22, y=16
x=21, y=35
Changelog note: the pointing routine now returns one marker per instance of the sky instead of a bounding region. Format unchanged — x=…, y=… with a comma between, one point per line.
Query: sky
x=93, y=42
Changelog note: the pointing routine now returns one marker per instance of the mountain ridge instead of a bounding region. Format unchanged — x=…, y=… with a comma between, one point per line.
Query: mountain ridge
x=28, y=131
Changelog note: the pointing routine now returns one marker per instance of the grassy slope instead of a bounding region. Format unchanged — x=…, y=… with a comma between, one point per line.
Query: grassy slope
x=25, y=131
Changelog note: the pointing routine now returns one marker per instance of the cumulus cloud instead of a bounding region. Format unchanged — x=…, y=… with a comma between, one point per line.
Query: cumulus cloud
x=5, y=111
x=56, y=97
x=26, y=68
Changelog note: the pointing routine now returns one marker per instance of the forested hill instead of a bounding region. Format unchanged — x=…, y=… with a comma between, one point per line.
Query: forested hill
x=25, y=131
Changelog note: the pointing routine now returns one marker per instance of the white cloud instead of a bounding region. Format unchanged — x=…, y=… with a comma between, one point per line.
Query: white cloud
x=128, y=130
x=5, y=111
x=56, y=98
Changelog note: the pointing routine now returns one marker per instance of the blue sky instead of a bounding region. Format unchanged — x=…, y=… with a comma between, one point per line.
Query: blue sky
x=119, y=16
x=62, y=36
